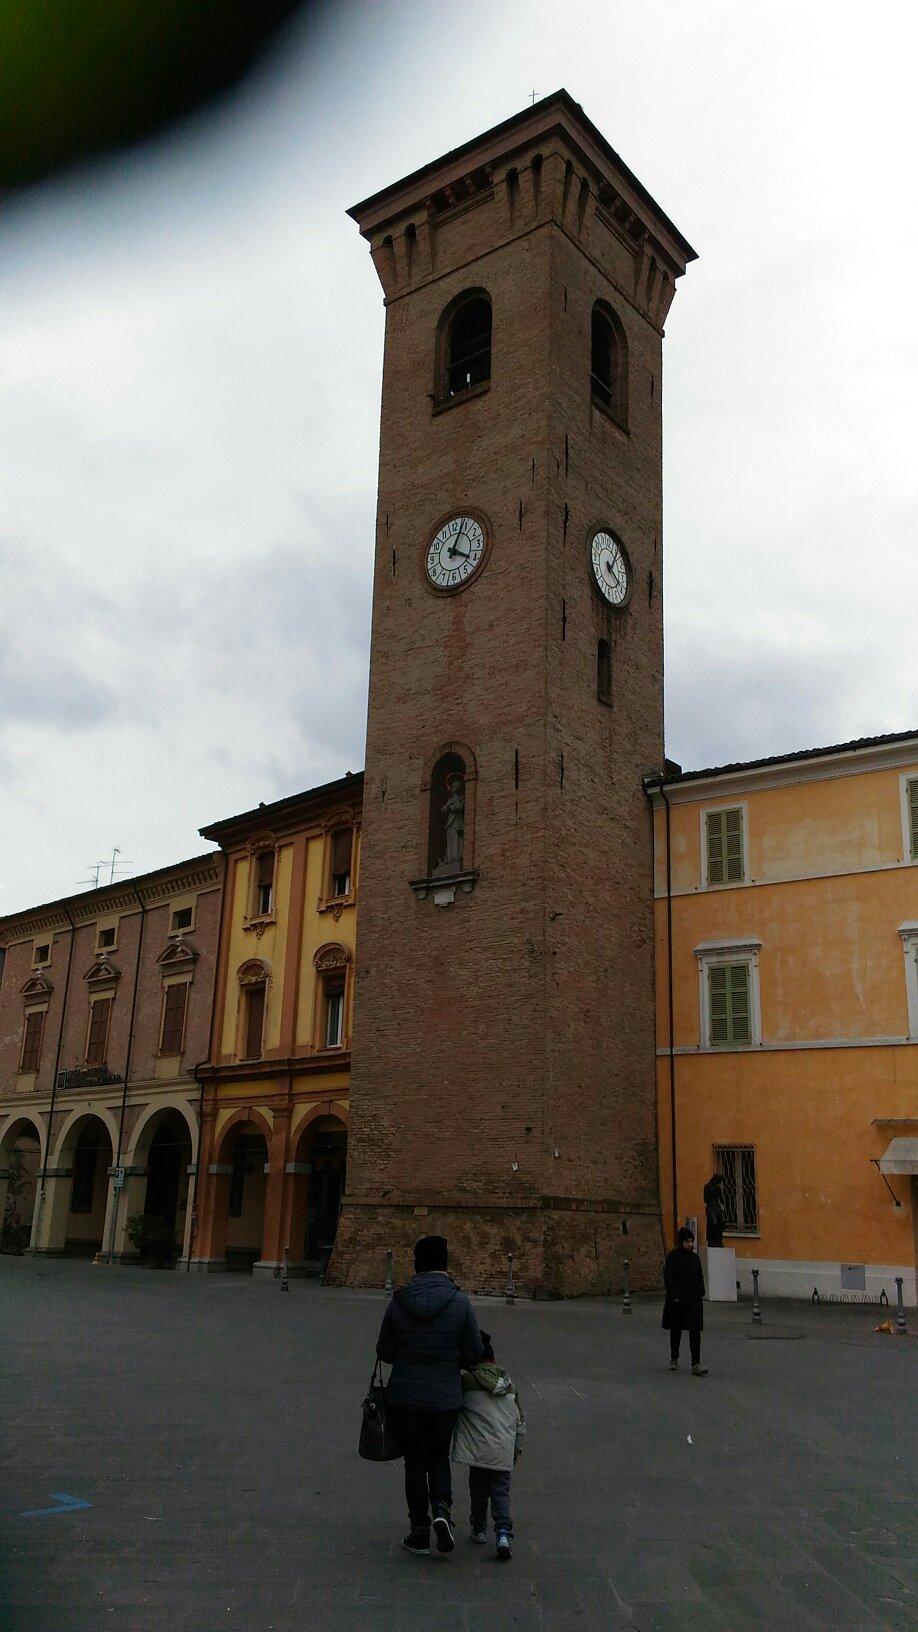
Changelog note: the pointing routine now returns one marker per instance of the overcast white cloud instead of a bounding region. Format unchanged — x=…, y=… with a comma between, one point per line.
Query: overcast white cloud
x=190, y=360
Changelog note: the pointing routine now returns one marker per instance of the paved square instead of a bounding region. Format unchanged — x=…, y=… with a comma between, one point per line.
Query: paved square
x=211, y=1424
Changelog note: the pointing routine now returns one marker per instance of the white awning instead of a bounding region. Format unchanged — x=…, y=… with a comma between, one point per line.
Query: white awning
x=900, y=1156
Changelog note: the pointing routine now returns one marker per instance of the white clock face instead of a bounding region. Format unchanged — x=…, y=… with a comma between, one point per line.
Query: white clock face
x=610, y=568
x=455, y=553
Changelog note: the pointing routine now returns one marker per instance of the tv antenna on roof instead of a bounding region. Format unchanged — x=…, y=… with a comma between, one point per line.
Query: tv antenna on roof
x=97, y=868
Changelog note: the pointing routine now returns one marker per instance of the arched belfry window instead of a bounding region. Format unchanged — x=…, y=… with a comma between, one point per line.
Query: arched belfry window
x=464, y=345
x=609, y=363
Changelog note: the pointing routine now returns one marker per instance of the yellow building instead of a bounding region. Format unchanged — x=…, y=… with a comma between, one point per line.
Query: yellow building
x=787, y=933
x=274, y=1091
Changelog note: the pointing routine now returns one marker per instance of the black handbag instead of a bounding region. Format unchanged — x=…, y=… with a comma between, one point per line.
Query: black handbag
x=378, y=1439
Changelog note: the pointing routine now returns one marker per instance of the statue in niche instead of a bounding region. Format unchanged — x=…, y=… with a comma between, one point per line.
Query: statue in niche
x=453, y=813
x=715, y=1215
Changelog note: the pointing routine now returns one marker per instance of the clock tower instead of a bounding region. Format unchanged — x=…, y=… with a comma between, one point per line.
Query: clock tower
x=503, y=1087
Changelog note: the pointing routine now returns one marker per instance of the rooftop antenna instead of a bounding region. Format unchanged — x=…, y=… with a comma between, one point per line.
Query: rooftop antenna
x=116, y=866
x=94, y=867
x=98, y=868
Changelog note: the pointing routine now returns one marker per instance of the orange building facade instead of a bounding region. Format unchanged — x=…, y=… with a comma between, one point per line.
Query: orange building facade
x=274, y=1090
x=787, y=934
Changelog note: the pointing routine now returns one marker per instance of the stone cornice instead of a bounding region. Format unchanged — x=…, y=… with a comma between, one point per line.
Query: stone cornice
x=200, y=873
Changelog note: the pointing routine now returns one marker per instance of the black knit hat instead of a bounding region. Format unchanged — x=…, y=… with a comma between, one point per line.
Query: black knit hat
x=430, y=1253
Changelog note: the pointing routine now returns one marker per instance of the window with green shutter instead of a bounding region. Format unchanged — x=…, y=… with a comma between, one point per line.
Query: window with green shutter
x=913, y=816
x=724, y=831
x=728, y=999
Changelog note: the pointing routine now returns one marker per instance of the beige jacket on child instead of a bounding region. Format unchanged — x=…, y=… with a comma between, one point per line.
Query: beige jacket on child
x=490, y=1429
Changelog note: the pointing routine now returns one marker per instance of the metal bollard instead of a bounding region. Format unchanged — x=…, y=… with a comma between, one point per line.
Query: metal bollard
x=389, y=1282
x=285, y=1283
x=756, y=1311
x=901, y=1328
x=511, y=1295
x=626, y=1294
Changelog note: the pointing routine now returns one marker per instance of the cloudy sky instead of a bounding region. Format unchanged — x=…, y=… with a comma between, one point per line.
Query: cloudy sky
x=190, y=358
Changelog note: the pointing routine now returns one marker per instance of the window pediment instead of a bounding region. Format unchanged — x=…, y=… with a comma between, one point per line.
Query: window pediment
x=36, y=986
x=331, y=956
x=102, y=971
x=254, y=972
x=177, y=955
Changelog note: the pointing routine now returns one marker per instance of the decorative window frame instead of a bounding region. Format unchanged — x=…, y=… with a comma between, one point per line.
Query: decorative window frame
x=440, y=398
x=253, y=972
x=106, y=995
x=905, y=778
x=333, y=823
x=37, y=1005
x=744, y=949
x=716, y=810
x=909, y=934
x=332, y=961
x=176, y=965
x=42, y=941
x=252, y=919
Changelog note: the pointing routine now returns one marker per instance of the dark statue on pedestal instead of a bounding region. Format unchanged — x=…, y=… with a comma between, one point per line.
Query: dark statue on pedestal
x=715, y=1216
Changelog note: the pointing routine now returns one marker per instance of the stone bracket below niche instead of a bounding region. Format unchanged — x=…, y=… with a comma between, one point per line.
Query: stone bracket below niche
x=443, y=888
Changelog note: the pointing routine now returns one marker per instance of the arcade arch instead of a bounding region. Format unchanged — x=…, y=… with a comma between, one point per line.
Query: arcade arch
x=20, y=1154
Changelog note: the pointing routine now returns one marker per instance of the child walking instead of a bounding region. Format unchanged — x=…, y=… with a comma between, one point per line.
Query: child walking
x=488, y=1439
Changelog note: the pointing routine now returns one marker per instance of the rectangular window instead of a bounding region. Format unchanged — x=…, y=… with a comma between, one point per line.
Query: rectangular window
x=342, y=843
x=724, y=839
x=912, y=807
x=105, y=939
x=42, y=952
x=334, y=1013
x=31, y=1042
x=254, y=1021
x=737, y=1164
x=728, y=998
x=175, y=1002
x=96, y=1043
x=264, y=883
x=181, y=919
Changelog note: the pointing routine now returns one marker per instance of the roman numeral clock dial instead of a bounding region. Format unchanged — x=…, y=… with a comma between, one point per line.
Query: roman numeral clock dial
x=456, y=553
x=611, y=569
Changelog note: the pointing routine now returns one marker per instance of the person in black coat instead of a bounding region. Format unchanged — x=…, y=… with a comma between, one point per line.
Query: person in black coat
x=429, y=1335
x=683, y=1310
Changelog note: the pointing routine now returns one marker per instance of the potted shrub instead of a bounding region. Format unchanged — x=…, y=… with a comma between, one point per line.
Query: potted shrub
x=152, y=1238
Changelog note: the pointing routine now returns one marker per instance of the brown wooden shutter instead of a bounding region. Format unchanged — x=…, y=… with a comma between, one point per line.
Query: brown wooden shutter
x=254, y=1021
x=31, y=1044
x=98, y=1031
x=173, y=1036
x=341, y=850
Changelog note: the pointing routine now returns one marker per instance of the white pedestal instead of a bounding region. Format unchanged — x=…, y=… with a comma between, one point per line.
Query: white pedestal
x=719, y=1265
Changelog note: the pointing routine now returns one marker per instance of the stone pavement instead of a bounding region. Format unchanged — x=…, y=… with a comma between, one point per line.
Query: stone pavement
x=211, y=1424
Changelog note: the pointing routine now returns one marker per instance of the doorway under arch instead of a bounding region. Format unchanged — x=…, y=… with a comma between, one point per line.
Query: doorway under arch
x=20, y=1161
x=82, y=1189
x=246, y=1153
x=321, y=1158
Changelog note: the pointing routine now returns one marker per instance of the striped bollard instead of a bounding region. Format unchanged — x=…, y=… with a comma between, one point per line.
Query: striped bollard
x=901, y=1328
x=626, y=1294
x=756, y=1311
x=389, y=1283
x=511, y=1295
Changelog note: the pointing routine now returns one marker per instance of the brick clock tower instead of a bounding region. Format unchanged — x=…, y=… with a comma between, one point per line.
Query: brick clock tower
x=503, y=1090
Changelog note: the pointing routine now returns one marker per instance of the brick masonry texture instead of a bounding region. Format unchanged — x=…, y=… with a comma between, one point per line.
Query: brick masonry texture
x=503, y=1064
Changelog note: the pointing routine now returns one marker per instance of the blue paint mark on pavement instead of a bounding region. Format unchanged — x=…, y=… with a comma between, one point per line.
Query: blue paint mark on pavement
x=65, y=1504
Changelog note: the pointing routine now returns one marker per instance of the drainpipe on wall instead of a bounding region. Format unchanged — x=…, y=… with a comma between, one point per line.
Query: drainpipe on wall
x=40, y=1202
x=669, y=1004
x=110, y=1255
x=211, y=1055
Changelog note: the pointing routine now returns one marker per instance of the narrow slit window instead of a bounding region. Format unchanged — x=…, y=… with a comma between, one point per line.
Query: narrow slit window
x=175, y=1005
x=97, y=1041
x=609, y=362
x=604, y=672
x=334, y=1013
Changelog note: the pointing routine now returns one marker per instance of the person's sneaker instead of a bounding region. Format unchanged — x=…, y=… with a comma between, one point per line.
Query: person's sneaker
x=480, y=1537
x=417, y=1541
x=699, y=1371
x=443, y=1531
x=674, y=1365
x=504, y=1550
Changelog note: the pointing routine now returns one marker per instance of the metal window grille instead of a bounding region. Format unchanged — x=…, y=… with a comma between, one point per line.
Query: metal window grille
x=737, y=1164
